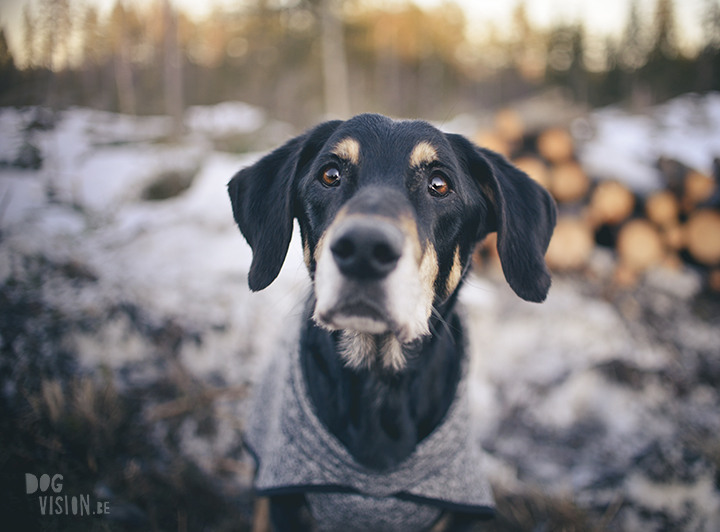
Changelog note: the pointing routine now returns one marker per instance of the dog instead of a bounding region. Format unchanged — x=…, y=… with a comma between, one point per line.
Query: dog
x=364, y=425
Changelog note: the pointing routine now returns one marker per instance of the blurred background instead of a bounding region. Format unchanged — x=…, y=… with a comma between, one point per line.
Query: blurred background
x=302, y=59
x=129, y=341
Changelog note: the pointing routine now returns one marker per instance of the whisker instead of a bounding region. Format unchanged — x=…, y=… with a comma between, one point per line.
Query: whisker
x=445, y=325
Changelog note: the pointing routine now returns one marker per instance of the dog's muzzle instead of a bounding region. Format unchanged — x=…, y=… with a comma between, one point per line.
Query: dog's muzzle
x=372, y=277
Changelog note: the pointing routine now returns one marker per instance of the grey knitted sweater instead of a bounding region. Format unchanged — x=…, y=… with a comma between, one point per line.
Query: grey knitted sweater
x=296, y=453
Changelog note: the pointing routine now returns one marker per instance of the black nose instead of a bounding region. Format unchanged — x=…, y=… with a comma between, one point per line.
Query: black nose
x=366, y=249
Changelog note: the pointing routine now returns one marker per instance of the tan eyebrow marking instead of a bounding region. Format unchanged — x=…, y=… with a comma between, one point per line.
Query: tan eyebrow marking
x=348, y=149
x=423, y=153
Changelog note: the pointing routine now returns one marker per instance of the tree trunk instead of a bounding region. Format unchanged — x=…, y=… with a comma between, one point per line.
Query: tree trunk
x=124, y=78
x=335, y=70
x=173, y=76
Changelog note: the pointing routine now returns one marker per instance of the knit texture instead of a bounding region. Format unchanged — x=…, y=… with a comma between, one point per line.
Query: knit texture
x=296, y=453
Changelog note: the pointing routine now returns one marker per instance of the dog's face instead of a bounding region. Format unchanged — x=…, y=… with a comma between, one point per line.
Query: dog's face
x=389, y=213
x=388, y=225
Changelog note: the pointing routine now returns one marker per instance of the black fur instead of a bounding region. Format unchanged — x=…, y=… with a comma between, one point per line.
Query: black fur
x=380, y=416
x=523, y=216
x=263, y=200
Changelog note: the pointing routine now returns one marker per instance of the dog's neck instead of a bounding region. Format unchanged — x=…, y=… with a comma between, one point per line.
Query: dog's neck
x=381, y=415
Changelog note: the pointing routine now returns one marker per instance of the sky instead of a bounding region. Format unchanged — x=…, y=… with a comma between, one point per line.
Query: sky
x=600, y=17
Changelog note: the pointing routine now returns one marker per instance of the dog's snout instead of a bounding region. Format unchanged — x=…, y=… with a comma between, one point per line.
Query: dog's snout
x=367, y=249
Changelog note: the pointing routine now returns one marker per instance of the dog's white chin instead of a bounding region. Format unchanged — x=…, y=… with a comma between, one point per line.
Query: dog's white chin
x=366, y=343
x=357, y=324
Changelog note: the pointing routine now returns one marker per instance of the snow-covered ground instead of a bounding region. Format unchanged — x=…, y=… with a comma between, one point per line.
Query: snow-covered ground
x=612, y=401
x=627, y=147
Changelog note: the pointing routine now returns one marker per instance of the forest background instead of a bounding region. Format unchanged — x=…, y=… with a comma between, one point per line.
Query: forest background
x=306, y=59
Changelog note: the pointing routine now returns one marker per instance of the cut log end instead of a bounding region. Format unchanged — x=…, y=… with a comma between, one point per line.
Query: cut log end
x=535, y=168
x=702, y=236
x=611, y=203
x=639, y=245
x=571, y=245
x=663, y=209
x=492, y=141
x=697, y=189
x=556, y=145
x=568, y=182
x=509, y=125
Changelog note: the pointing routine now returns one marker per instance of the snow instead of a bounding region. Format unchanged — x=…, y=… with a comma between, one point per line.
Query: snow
x=12, y=123
x=19, y=197
x=224, y=119
x=623, y=151
x=535, y=353
x=181, y=258
x=626, y=147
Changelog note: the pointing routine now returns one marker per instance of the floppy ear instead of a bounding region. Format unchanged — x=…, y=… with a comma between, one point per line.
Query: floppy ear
x=523, y=214
x=263, y=201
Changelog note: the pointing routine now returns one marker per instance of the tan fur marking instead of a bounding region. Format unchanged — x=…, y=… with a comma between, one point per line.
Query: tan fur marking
x=348, y=149
x=407, y=224
x=393, y=357
x=428, y=261
x=339, y=217
x=319, y=247
x=423, y=153
x=306, y=253
x=455, y=274
x=428, y=273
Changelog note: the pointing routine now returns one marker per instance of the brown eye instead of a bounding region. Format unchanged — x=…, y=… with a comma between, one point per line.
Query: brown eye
x=331, y=176
x=438, y=185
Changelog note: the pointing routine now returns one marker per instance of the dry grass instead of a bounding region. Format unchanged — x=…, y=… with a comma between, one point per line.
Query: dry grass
x=534, y=511
x=57, y=419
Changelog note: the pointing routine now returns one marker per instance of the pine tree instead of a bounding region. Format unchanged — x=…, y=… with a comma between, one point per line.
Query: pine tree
x=119, y=31
x=173, y=80
x=528, y=47
x=56, y=27
x=7, y=64
x=6, y=58
x=711, y=25
x=708, y=62
x=660, y=73
x=632, y=53
x=92, y=47
x=665, y=42
x=29, y=36
x=334, y=59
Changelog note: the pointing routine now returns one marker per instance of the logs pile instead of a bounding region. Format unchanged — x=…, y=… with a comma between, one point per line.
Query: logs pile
x=671, y=227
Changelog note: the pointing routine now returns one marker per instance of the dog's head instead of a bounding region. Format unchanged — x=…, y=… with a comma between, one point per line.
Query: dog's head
x=389, y=213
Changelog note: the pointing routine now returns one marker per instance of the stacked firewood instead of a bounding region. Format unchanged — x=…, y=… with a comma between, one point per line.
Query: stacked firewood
x=677, y=225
